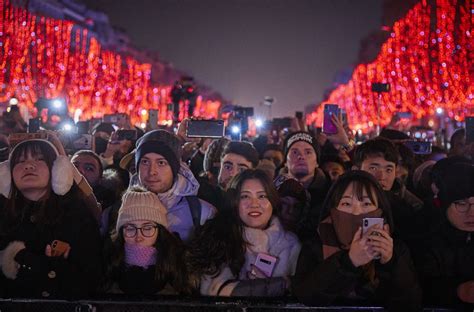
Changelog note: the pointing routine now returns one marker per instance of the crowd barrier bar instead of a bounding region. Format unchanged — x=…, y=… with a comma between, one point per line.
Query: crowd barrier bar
x=186, y=305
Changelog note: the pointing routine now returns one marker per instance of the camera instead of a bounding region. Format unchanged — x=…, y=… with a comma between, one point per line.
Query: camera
x=419, y=148
x=243, y=112
x=380, y=87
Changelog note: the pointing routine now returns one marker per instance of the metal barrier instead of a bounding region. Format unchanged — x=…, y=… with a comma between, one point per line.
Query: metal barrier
x=173, y=305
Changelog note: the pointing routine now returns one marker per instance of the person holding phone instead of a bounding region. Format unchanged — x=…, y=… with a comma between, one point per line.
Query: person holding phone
x=339, y=266
x=145, y=258
x=117, y=147
x=50, y=242
x=244, y=250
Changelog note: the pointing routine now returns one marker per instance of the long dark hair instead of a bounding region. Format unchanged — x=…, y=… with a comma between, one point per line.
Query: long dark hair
x=220, y=240
x=48, y=210
x=362, y=181
x=169, y=268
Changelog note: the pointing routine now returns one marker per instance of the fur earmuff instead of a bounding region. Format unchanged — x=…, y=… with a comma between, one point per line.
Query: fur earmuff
x=5, y=179
x=9, y=265
x=62, y=175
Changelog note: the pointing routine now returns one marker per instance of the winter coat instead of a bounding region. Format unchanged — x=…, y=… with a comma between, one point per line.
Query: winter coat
x=135, y=280
x=212, y=194
x=336, y=280
x=411, y=218
x=179, y=215
x=274, y=241
x=28, y=272
x=447, y=262
x=318, y=188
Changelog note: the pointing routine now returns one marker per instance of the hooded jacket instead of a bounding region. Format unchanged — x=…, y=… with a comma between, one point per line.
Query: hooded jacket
x=274, y=241
x=179, y=215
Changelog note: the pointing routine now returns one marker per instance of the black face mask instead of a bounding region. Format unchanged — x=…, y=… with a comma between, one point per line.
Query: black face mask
x=100, y=145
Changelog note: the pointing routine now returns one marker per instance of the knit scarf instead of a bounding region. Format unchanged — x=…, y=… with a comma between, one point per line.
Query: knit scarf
x=336, y=232
x=141, y=256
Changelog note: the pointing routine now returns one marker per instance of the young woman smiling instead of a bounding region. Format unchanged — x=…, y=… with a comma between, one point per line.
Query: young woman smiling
x=226, y=253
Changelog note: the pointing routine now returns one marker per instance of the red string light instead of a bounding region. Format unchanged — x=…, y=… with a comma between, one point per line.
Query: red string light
x=427, y=64
x=44, y=57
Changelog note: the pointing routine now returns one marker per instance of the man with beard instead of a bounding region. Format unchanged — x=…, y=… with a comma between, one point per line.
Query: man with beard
x=301, y=164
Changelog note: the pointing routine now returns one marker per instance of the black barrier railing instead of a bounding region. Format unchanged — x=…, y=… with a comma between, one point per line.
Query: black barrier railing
x=163, y=305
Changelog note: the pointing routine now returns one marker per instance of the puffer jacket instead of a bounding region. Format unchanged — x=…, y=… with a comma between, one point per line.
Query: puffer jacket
x=274, y=241
x=180, y=220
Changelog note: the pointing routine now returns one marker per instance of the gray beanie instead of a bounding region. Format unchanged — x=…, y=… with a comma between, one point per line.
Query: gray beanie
x=138, y=204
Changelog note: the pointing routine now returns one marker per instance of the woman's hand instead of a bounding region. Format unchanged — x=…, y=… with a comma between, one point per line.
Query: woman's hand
x=49, y=252
x=182, y=129
x=382, y=243
x=360, y=253
x=255, y=273
x=466, y=292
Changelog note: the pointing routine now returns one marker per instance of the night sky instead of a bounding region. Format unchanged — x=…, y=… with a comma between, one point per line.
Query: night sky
x=249, y=49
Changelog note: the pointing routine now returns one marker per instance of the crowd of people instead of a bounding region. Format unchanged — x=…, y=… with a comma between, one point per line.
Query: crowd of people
x=167, y=214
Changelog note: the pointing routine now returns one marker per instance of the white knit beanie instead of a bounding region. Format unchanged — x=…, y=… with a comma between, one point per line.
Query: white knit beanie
x=141, y=205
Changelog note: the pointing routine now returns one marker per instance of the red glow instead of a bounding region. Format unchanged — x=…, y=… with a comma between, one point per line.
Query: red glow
x=427, y=67
x=44, y=57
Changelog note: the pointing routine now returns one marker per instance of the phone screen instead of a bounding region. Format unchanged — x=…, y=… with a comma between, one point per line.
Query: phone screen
x=153, y=118
x=205, y=129
x=328, y=126
x=34, y=125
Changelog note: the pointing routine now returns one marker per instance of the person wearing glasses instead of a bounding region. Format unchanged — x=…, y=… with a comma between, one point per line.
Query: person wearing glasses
x=446, y=267
x=144, y=258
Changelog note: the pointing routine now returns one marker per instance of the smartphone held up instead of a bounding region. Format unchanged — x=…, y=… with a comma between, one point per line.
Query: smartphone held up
x=205, y=129
x=328, y=125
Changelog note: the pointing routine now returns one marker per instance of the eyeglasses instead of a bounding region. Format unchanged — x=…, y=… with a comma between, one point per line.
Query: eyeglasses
x=463, y=206
x=130, y=231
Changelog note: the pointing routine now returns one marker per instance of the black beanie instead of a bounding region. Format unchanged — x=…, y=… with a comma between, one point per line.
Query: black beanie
x=294, y=137
x=160, y=142
x=457, y=183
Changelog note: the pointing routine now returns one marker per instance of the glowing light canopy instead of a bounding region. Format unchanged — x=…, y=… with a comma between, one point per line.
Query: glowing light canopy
x=42, y=57
x=427, y=61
